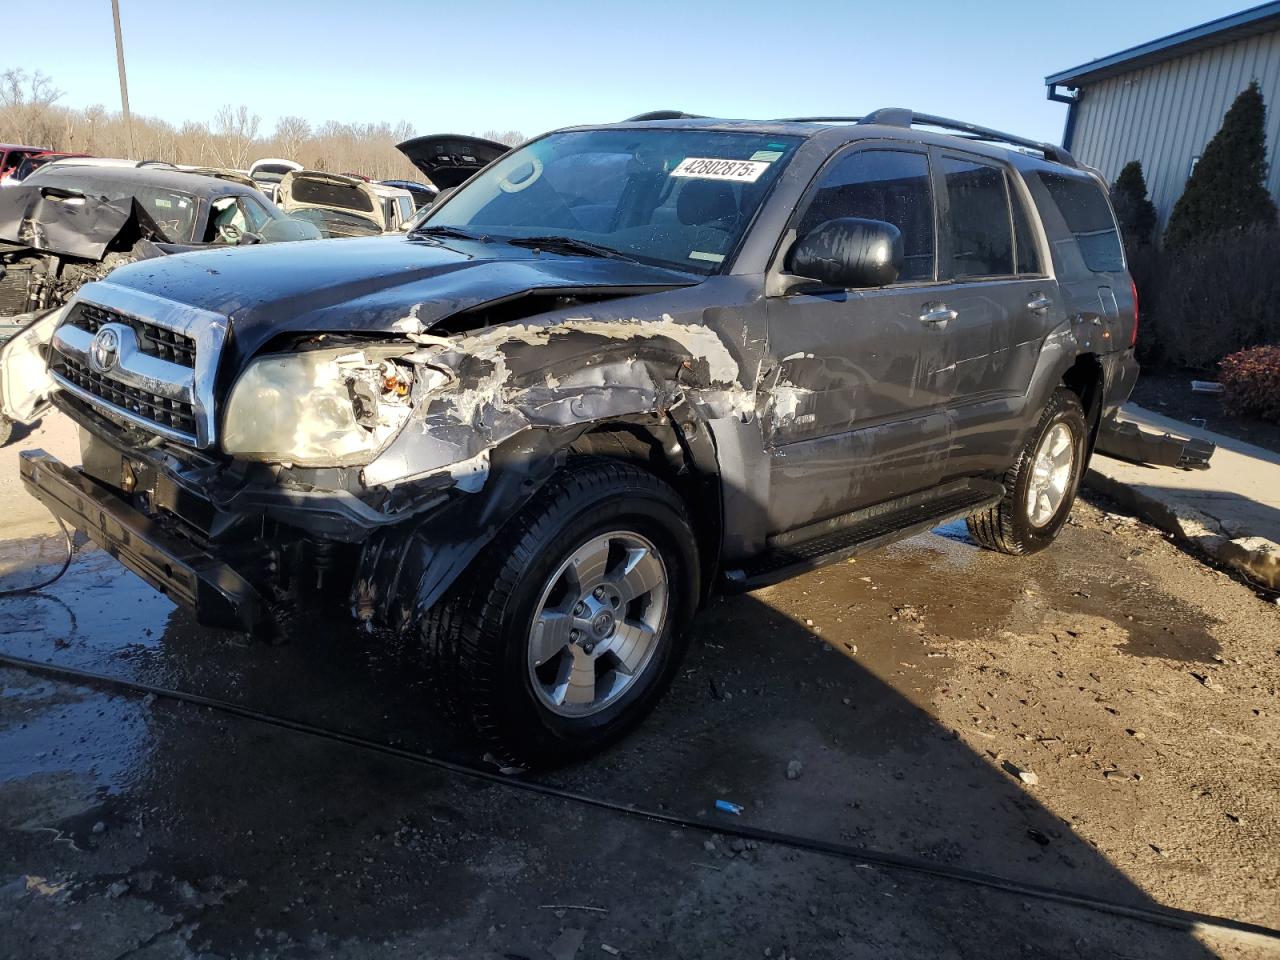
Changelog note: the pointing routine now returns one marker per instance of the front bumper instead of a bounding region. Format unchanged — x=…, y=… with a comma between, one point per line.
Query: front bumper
x=179, y=568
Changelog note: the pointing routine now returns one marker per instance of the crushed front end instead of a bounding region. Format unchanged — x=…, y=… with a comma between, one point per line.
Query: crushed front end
x=235, y=537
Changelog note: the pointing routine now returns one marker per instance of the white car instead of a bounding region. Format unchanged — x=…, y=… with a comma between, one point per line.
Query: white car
x=269, y=171
x=343, y=206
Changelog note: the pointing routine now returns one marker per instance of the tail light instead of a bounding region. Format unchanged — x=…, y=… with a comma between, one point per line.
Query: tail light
x=1134, y=287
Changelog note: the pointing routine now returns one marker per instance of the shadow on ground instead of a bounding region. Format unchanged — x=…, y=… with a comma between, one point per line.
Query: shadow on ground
x=128, y=821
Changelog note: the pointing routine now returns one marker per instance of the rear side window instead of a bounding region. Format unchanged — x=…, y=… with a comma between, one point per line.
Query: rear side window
x=1088, y=217
x=888, y=185
x=980, y=229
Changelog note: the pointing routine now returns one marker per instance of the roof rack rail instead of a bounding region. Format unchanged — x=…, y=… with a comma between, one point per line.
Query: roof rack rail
x=902, y=117
x=664, y=115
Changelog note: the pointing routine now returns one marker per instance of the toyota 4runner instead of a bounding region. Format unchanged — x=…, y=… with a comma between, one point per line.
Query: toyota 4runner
x=619, y=369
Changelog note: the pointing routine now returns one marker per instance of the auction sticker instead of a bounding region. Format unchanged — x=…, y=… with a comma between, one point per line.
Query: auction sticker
x=709, y=168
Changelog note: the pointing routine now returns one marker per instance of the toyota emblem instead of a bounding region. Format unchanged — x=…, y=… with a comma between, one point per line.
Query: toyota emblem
x=105, y=350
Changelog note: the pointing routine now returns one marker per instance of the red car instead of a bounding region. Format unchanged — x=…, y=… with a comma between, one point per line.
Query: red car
x=12, y=154
x=35, y=161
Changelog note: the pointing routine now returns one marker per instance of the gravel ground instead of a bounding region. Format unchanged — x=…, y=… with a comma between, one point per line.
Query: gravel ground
x=1100, y=717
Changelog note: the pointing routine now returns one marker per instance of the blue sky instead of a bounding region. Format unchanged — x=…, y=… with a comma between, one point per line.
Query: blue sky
x=532, y=66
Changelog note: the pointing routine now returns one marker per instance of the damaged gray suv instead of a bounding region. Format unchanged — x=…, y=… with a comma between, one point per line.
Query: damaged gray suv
x=619, y=369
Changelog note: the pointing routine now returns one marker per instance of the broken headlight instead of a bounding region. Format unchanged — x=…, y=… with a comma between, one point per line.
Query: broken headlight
x=319, y=408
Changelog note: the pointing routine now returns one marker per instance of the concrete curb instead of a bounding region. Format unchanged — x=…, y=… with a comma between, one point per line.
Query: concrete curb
x=1256, y=557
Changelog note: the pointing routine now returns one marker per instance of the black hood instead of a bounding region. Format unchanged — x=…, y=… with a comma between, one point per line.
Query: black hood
x=369, y=285
x=449, y=159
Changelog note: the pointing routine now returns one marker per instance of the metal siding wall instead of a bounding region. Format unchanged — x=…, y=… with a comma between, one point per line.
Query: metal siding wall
x=1164, y=114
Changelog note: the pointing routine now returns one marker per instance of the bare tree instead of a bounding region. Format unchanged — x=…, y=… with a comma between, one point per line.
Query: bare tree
x=292, y=133
x=509, y=137
x=29, y=112
x=26, y=103
x=235, y=130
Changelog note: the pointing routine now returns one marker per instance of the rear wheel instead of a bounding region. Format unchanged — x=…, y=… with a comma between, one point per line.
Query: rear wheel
x=6, y=430
x=1041, y=486
x=568, y=630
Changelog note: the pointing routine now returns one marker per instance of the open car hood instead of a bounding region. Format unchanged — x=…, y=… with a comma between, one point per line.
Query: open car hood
x=449, y=159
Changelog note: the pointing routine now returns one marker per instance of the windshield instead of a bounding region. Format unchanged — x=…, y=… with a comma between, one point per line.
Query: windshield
x=680, y=198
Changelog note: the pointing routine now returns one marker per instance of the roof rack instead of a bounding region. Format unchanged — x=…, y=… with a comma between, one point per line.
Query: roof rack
x=664, y=115
x=901, y=117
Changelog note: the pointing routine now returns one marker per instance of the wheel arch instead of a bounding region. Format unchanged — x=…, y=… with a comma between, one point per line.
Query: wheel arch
x=406, y=569
x=1087, y=380
x=679, y=449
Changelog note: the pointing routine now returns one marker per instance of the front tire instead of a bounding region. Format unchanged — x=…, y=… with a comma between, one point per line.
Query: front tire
x=568, y=630
x=1041, y=485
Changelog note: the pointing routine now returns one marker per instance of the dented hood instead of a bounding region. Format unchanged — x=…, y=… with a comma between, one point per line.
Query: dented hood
x=367, y=285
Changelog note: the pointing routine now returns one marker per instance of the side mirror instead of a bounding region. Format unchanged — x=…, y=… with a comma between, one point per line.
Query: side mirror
x=849, y=253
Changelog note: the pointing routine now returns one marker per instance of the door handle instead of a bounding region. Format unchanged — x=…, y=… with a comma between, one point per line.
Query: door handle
x=937, y=313
x=1039, y=303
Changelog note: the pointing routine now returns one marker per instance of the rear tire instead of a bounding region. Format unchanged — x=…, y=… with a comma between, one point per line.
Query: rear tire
x=605, y=551
x=1041, y=485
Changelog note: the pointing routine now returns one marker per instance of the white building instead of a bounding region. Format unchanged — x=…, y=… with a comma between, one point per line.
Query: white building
x=1162, y=101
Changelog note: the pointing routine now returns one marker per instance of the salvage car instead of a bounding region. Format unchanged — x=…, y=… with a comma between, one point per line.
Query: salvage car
x=449, y=159
x=12, y=154
x=621, y=368
x=34, y=162
x=269, y=171
x=341, y=205
x=68, y=224
x=423, y=194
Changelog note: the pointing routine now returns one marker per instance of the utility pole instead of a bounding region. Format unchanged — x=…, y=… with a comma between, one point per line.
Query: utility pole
x=124, y=85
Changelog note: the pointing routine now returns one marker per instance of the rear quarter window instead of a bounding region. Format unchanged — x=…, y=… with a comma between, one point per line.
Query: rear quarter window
x=1087, y=214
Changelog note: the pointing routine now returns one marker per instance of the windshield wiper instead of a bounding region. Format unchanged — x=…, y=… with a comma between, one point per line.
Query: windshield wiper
x=560, y=244
x=440, y=230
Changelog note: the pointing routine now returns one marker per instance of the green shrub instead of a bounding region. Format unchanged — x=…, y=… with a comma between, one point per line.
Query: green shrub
x=1210, y=299
x=1134, y=209
x=1252, y=380
x=1227, y=190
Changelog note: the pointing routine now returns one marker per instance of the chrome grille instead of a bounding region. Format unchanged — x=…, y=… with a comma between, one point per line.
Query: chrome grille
x=176, y=414
x=153, y=340
x=141, y=358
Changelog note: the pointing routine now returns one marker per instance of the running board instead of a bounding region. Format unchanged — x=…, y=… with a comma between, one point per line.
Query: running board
x=842, y=537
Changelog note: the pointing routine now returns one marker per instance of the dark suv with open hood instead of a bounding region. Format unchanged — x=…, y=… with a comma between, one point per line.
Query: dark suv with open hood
x=620, y=368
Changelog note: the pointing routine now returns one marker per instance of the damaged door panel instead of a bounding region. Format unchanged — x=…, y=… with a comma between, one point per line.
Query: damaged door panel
x=857, y=385
x=622, y=367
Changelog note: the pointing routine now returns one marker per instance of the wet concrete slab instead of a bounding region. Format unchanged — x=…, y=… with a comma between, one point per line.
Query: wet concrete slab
x=190, y=832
